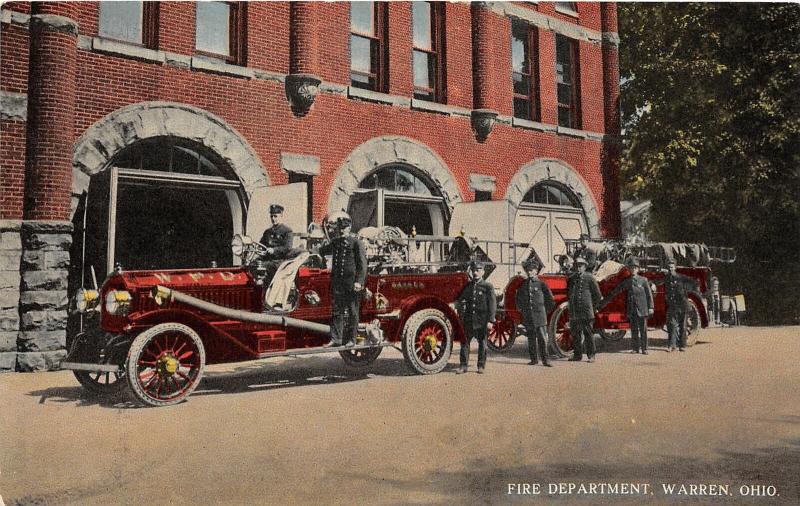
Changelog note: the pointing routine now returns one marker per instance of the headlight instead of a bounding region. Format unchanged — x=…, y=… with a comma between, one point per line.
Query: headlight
x=238, y=244
x=118, y=302
x=86, y=300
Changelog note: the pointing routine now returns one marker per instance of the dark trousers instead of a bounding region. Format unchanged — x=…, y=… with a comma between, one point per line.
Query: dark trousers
x=716, y=307
x=536, y=341
x=676, y=328
x=638, y=332
x=471, y=333
x=344, y=320
x=582, y=332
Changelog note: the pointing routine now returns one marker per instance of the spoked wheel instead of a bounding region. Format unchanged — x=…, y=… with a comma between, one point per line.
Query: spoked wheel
x=693, y=322
x=502, y=336
x=427, y=341
x=360, y=358
x=100, y=383
x=165, y=364
x=559, y=332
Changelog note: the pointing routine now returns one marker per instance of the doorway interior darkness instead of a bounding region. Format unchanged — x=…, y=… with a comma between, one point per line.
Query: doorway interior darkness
x=409, y=201
x=163, y=203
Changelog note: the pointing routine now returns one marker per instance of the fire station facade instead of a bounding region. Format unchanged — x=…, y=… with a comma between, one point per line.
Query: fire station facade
x=148, y=134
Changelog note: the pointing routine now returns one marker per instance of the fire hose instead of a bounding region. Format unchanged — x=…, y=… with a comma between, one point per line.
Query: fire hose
x=163, y=295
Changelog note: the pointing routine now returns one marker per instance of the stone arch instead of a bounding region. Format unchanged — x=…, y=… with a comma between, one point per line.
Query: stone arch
x=123, y=127
x=385, y=150
x=548, y=169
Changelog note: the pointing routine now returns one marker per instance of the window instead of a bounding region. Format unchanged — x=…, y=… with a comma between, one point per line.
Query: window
x=567, y=82
x=134, y=22
x=220, y=30
x=570, y=8
x=428, y=41
x=551, y=194
x=367, y=45
x=524, y=73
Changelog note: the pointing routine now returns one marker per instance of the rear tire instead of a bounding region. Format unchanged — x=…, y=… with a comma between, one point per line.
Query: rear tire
x=558, y=331
x=502, y=336
x=427, y=341
x=100, y=383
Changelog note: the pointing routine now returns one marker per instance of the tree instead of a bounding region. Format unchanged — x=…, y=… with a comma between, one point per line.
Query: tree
x=712, y=136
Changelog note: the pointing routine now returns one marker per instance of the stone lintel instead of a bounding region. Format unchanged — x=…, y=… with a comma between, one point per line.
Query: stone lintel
x=482, y=183
x=300, y=164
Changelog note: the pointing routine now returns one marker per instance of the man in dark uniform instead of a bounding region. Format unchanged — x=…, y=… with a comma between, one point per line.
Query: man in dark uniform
x=348, y=274
x=476, y=307
x=584, y=301
x=676, y=292
x=534, y=300
x=588, y=252
x=639, y=304
x=278, y=237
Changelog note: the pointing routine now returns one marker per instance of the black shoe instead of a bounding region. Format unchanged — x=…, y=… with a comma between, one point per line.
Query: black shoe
x=461, y=370
x=576, y=358
x=349, y=344
x=480, y=370
x=634, y=351
x=547, y=364
x=681, y=349
x=591, y=359
x=331, y=344
x=644, y=352
x=533, y=362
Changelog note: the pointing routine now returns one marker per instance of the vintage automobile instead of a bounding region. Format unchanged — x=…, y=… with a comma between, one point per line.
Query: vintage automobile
x=611, y=321
x=158, y=329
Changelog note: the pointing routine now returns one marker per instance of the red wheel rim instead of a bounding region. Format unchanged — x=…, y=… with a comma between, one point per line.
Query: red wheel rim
x=430, y=341
x=501, y=334
x=168, y=366
x=563, y=336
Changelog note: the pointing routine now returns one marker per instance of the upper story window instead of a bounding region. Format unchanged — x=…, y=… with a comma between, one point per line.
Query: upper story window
x=524, y=70
x=220, y=30
x=134, y=22
x=368, y=45
x=567, y=82
x=551, y=194
x=570, y=8
x=428, y=53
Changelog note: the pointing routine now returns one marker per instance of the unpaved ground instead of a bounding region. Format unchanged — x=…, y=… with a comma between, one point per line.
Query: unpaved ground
x=309, y=431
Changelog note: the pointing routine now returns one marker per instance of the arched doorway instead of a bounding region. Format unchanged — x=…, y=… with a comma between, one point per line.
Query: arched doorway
x=401, y=196
x=161, y=203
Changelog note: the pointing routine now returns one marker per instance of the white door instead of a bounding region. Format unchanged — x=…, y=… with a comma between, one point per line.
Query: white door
x=547, y=229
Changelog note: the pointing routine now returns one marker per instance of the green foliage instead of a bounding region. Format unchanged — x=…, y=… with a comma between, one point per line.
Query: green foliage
x=712, y=124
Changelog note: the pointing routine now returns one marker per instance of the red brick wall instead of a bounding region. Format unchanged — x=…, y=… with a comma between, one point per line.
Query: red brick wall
x=336, y=125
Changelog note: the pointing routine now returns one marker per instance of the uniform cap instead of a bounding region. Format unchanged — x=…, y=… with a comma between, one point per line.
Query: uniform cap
x=476, y=264
x=276, y=209
x=531, y=263
x=580, y=260
x=340, y=219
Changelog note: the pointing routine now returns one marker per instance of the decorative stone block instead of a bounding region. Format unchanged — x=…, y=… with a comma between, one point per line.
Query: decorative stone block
x=44, y=280
x=9, y=260
x=482, y=121
x=44, y=320
x=9, y=320
x=38, y=300
x=8, y=361
x=301, y=91
x=42, y=340
x=47, y=241
x=8, y=341
x=10, y=241
x=40, y=360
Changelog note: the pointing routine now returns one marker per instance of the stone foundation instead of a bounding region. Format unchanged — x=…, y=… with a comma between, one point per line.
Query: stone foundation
x=43, y=300
x=10, y=280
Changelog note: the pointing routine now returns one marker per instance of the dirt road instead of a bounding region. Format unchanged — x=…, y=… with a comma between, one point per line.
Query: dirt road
x=310, y=431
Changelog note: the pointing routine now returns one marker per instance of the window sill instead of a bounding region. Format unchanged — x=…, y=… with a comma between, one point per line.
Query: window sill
x=374, y=96
x=532, y=125
x=572, y=132
x=134, y=51
x=425, y=105
x=219, y=67
x=567, y=12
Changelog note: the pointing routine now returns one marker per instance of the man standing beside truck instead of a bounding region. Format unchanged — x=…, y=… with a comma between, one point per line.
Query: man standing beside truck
x=534, y=300
x=584, y=301
x=676, y=290
x=476, y=307
x=639, y=304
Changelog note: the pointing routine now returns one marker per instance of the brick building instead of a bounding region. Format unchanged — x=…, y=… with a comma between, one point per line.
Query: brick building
x=149, y=134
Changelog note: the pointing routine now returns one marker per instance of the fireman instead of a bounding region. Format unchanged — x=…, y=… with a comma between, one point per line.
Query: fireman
x=639, y=304
x=676, y=291
x=278, y=237
x=584, y=301
x=476, y=306
x=348, y=274
x=534, y=300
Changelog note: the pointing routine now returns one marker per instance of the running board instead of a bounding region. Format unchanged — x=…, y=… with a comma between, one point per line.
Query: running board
x=319, y=350
x=75, y=366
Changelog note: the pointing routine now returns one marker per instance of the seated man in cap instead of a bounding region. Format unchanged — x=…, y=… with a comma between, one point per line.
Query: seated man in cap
x=476, y=306
x=589, y=251
x=278, y=241
x=639, y=304
x=534, y=300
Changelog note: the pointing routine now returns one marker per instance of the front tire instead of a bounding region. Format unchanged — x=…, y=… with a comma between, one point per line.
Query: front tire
x=427, y=341
x=359, y=359
x=165, y=364
x=98, y=383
